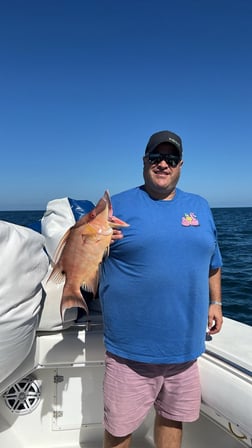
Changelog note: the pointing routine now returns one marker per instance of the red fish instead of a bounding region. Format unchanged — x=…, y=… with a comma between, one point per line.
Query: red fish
x=81, y=251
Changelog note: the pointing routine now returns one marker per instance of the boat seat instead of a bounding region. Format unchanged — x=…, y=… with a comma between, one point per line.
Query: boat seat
x=56, y=343
x=29, y=307
x=79, y=344
x=24, y=264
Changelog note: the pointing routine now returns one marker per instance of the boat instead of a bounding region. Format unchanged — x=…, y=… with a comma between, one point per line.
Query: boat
x=54, y=398
x=51, y=390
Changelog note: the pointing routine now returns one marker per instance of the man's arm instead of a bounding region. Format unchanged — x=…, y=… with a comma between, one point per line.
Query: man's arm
x=215, y=318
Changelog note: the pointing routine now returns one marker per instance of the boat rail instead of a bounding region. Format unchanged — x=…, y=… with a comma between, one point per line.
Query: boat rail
x=229, y=362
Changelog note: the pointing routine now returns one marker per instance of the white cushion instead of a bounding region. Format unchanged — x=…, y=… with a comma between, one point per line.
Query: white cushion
x=23, y=265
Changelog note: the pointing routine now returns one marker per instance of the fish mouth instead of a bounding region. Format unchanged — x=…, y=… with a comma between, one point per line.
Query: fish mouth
x=116, y=223
x=113, y=221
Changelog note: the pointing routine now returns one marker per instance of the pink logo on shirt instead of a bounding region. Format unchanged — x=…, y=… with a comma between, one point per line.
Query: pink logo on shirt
x=190, y=220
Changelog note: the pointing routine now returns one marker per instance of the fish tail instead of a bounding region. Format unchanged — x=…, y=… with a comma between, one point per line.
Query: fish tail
x=68, y=306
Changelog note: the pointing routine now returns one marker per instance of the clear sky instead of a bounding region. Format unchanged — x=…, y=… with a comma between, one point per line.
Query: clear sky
x=83, y=84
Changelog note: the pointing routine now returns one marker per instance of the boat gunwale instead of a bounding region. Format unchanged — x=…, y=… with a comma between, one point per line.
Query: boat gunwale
x=230, y=363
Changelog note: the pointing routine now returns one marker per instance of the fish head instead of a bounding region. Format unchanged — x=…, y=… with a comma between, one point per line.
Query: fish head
x=103, y=212
x=114, y=222
x=105, y=206
x=98, y=219
x=102, y=207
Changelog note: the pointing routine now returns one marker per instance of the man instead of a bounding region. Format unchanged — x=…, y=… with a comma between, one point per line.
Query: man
x=159, y=288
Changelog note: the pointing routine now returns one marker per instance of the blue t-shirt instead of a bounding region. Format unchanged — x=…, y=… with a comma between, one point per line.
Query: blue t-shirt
x=154, y=285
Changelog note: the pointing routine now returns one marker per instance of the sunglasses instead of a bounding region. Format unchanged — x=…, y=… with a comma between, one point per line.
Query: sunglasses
x=170, y=159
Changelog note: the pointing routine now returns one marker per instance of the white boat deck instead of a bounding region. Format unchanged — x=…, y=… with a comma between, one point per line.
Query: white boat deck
x=62, y=406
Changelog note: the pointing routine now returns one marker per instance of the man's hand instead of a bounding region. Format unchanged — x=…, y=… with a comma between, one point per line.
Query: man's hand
x=215, y=319
x=117, y=235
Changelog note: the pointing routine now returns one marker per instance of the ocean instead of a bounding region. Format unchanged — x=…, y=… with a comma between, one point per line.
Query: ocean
x=234, y=227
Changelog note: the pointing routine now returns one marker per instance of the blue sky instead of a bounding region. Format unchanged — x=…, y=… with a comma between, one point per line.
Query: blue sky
x=83, y=84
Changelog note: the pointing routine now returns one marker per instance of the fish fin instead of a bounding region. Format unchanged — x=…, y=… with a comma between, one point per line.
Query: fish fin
x=106, y=253
x=68, y=306
x=92, y=286
x=88, y=288
x=56, y=276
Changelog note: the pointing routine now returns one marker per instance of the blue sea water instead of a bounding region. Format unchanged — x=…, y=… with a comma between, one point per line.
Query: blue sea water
x=234, y=226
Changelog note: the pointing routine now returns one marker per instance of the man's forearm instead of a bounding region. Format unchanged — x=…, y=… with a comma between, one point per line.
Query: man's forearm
x=215, y=285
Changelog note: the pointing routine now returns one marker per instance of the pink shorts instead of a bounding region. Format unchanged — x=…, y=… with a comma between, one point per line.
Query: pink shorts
x=131, y=388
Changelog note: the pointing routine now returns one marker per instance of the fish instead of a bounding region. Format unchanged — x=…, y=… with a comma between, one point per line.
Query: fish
x=80, y=252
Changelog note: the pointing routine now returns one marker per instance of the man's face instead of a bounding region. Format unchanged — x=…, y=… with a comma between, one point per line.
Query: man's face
x=161, y=176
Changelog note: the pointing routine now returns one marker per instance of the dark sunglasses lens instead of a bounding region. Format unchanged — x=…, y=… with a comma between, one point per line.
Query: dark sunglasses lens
x=170, y=159
x=155, y=158
x=173, y=161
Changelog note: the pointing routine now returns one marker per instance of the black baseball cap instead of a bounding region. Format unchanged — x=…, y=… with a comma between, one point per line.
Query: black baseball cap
x=164, y=137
